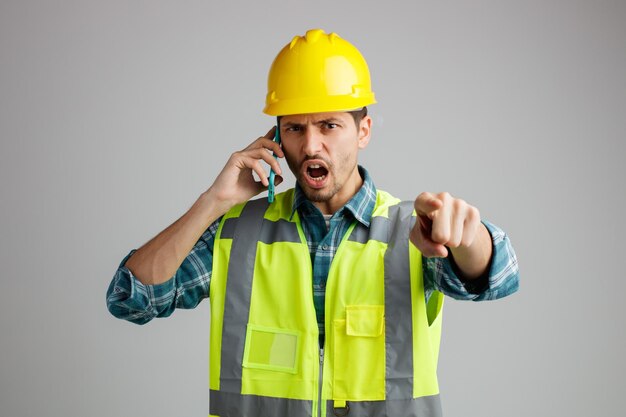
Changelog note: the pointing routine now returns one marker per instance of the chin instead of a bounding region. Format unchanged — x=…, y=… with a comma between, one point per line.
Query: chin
x=318, y=196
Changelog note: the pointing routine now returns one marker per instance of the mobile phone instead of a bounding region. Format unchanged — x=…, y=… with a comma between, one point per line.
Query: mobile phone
x=271, y=188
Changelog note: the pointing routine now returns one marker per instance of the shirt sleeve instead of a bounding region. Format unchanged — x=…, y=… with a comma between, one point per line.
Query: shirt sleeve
x=129, y=299
x=500, y=280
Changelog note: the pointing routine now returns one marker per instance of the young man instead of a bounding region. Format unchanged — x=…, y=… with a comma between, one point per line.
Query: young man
x=328, y=300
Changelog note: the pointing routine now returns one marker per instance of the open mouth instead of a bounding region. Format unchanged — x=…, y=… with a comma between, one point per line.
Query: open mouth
x=316, y=172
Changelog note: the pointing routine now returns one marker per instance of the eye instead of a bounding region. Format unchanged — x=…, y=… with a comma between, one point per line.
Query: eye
x=293, y=129
x=331, y=125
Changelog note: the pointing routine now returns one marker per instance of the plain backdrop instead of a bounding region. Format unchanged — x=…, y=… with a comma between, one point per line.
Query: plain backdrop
x=116, y=115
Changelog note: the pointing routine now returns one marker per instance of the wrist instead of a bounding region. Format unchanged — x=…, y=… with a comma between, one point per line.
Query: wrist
x=210, y=205
x=473, y=260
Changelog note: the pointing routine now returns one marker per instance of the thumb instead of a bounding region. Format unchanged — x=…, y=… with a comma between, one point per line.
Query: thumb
x=420, y=237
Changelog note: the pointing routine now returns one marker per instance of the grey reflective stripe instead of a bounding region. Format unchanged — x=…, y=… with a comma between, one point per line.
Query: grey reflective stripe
x=378, y=230
x=398, y=324
x=398, y=314
x=279, y=231
x=228, y=229
x=429, y=406
x=228, y=404
x=238, y=293
x=271, y=232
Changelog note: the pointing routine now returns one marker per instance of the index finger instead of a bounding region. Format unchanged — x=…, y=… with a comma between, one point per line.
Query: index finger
x=262, y=141
x=271, y=145
x=426, y=203
x=271, y=133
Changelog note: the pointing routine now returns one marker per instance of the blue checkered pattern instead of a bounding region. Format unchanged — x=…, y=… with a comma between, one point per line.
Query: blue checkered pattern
x=129, y=299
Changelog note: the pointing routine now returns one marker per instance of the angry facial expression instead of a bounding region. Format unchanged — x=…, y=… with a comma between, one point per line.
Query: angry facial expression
x=321, y=150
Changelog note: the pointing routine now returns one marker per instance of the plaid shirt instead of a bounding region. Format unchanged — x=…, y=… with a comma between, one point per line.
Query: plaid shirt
x=129, y=299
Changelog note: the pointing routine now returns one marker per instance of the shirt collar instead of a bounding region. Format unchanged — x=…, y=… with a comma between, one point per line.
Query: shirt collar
x=361, y=205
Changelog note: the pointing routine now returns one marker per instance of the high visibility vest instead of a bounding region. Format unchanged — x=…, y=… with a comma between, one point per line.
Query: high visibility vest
x=381, y=338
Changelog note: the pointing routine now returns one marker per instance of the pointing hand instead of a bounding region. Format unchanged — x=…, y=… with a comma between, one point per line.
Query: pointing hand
x=443, y=222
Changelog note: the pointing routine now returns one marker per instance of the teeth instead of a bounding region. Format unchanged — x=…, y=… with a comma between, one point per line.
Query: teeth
x=318, y=178
x=315, y=166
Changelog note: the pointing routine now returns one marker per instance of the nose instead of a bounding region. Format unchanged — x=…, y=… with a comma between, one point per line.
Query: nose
x=312, y=142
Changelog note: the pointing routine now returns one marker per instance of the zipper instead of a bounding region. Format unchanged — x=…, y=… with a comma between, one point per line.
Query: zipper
x=321, y=382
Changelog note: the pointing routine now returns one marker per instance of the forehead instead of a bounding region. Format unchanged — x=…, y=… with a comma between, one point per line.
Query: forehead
x=312, y=118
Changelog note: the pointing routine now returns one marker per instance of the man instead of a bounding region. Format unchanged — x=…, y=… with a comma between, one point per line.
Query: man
x=326, y=301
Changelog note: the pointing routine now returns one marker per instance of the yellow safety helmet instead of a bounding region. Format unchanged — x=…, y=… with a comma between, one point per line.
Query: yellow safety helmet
x=318, y=73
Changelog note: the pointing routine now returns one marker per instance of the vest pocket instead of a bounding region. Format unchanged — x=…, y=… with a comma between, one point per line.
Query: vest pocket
x=271, y=349
x=359, y=348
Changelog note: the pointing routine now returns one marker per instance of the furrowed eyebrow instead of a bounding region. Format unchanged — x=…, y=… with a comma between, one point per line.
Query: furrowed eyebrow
x=291, y=124
x=331, y=120
x=319, y=122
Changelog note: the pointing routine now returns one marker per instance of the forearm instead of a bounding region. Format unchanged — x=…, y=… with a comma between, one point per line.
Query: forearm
x=473, y=261
x=157, y=260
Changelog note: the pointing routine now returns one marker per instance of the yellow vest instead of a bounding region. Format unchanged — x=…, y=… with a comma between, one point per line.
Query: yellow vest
x=381, y=338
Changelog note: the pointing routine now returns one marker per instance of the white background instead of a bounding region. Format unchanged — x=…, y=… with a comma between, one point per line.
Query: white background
x=116, y=115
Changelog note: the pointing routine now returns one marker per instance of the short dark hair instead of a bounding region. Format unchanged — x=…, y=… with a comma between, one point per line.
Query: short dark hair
x=358, y=115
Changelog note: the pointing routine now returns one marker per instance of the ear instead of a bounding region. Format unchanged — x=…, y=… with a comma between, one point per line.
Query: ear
x=365, y=129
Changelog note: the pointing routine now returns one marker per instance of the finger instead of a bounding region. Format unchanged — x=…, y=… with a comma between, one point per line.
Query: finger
x=470, y=227
x=426, y=203
x=427, y=247
x=274, y=147
x=457, y=225
x=269, y=136
x=270, y=133
x=268, y=145
x=442, y=219
x=420, y=236
x=265, y=156
x=255, y=165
